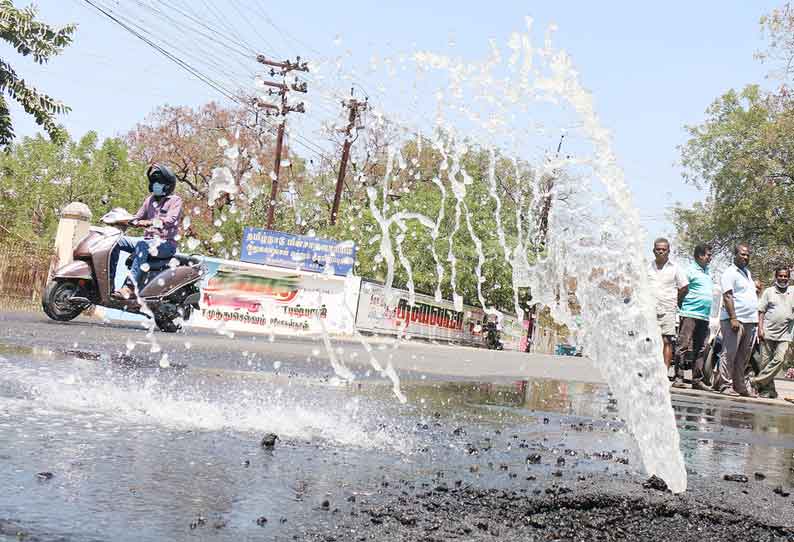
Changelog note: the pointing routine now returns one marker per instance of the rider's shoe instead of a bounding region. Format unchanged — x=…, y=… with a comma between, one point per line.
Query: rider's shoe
x=123, y=293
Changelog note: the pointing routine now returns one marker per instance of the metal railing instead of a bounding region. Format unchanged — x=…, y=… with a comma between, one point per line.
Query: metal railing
x=23, y=274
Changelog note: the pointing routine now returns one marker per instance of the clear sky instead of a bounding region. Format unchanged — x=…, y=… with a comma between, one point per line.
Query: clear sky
x=652, y=68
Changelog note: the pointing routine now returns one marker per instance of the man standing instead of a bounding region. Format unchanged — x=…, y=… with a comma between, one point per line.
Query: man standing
x=738, y=322
x=775, y=318
x=669, y=287
x=693, y=331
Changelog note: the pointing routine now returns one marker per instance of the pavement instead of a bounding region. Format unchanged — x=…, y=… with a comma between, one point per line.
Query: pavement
x=202, y=348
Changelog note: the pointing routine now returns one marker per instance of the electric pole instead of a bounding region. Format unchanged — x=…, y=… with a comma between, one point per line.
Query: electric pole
x=543, y=220
x=280, y=89
x=353, y=106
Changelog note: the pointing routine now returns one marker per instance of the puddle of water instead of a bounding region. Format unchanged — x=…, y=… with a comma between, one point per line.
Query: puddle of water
x=145, y=452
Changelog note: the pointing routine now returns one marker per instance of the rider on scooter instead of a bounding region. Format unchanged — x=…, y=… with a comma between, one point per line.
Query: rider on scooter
x=159, y=216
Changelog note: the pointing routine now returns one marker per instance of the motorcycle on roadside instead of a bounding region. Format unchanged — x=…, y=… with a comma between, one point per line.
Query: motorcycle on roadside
x=168, y=292
x=493, y=337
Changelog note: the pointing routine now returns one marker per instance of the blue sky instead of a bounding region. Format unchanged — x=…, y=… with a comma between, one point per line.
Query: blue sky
x=652, y=68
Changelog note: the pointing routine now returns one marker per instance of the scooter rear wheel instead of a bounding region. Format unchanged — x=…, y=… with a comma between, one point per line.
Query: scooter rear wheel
x=169, y=324
x=55, y=301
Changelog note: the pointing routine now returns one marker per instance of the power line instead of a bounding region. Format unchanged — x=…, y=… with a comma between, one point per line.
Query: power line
x=130, y=27
x=184, y=65
x=203, y=24
x=208, y=58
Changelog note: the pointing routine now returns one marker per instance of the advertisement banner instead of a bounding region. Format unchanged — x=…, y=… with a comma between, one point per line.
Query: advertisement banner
x=513, y=333
x=260, y=299
x=427, y=318
x=298, y=252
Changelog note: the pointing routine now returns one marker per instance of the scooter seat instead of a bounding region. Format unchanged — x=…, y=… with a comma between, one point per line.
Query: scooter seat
x=186, y=259
x=158, y=264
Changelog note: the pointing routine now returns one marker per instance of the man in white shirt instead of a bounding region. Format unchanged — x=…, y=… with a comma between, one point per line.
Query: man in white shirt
x=669, y=285
x=738, y=323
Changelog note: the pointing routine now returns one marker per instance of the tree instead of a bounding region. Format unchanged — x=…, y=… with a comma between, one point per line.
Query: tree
x=743, y=156
x=222, y=157
x=414, y=189
x=28, y=36
x=39, y=177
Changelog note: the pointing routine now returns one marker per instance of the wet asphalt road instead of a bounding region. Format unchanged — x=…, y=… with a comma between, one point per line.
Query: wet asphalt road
x=458, y=465
x=201, y=348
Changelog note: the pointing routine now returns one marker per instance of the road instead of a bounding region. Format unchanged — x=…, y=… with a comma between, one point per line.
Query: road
x=206, y=349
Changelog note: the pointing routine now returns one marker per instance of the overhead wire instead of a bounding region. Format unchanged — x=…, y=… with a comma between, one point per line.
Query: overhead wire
x=137, y=27
x=319, y=103
x=228, y=37
x=145, y=27
x=247, y=19
x=209, y=57
x=184, y=65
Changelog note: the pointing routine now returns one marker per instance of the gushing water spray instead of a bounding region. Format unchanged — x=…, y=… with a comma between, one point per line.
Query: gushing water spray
x=576, y=241
x=588, y=268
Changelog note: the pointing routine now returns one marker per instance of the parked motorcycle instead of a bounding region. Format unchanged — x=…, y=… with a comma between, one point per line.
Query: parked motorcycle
x=168, y=292
x=493, y=337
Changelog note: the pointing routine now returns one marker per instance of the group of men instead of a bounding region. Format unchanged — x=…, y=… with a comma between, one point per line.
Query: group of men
x=751, y=320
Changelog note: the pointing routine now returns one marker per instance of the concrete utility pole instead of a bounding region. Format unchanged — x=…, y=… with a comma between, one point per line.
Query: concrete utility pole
x=354, y=106
x=543, y=220
x=280, y=89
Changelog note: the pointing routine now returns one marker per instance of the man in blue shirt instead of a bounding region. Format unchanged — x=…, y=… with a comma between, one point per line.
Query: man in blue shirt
x=693, y=330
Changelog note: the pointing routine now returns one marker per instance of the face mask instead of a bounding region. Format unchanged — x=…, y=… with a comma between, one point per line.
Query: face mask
x=782, y=286
x=158, y=189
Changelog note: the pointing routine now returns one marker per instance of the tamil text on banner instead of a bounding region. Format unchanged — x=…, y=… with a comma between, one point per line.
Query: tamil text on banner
x=426, y=318
x=263, y=299
x=298, y=252
x=238, y=296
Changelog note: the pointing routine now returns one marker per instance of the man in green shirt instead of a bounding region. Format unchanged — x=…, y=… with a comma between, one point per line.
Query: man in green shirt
x=775, y=319
x=693, y=329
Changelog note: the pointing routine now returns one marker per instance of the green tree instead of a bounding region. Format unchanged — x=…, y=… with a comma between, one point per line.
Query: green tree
x=28, y=36
x=39, y=177
x=413, y=191
x=743, y=155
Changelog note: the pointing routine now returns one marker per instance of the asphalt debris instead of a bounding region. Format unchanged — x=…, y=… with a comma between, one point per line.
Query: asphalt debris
x=269, y=441
x=654, y=482
x=780, y=491
x=555, y=513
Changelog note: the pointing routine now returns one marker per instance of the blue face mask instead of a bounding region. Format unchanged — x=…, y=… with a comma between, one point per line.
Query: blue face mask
x=158, y=189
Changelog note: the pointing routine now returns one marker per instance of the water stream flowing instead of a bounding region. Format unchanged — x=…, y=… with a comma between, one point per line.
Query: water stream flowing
x=575, y=240
x=586, y=264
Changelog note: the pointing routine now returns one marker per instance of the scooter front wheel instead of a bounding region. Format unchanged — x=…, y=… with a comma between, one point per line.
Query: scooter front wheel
x=57, y=303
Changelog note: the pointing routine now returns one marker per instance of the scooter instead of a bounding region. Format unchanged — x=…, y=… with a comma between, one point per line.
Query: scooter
x=168, y=292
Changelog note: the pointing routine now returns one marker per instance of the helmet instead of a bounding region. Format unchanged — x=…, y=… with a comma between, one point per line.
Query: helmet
x=159, y=173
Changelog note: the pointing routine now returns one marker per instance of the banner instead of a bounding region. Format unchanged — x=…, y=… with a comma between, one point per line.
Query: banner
x=260, y=299
x=513, y=333
x=427, y=318
x=298, y=252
